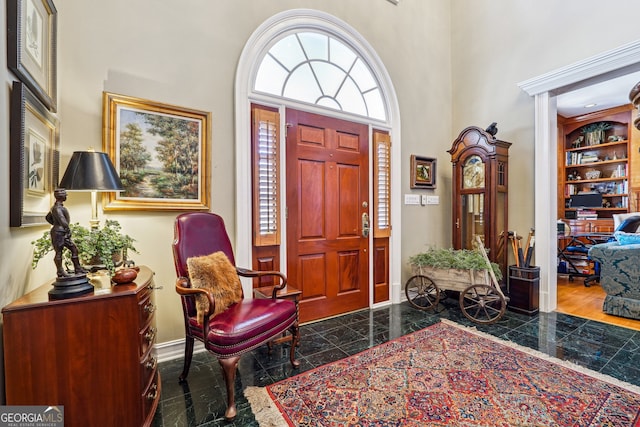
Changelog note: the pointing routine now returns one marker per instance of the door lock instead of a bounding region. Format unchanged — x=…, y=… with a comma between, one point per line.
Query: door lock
x=365, y=225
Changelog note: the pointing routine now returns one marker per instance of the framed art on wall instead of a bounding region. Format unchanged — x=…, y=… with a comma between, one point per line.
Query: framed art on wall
x=161, y=153
x=31, y=46
x=423, y=172
x=34, y=158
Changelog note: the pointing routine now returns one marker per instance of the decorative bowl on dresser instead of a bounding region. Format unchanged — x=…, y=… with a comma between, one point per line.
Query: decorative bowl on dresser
x=92, y=354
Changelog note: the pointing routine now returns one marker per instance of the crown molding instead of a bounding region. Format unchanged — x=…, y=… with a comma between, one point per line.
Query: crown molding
x=622, y=57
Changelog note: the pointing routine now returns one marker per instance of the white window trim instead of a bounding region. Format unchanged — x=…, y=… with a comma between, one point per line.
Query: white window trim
x=259, y=42
x=624, y=59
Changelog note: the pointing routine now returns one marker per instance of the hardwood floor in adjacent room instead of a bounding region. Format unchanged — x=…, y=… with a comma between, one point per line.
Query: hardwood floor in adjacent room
x=578, y=300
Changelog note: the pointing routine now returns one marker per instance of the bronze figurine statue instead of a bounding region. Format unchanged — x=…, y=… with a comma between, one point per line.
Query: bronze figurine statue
x=59, y=218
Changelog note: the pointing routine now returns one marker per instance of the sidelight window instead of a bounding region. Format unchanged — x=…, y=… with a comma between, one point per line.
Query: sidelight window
x=266, y=177
x=382, y=185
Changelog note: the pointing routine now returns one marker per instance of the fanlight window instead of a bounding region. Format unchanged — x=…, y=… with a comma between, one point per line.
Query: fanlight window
x=321, y=70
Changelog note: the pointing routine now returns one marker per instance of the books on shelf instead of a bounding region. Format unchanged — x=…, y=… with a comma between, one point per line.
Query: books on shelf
x=588, y=158
x=621, y=187
x=586, y=214
x=619, y=172
x=574, y=158
x=590, y=217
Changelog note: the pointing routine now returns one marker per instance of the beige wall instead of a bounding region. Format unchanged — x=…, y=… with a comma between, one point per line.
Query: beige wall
x=499, y=43
x=453, y=64
x=186, y=54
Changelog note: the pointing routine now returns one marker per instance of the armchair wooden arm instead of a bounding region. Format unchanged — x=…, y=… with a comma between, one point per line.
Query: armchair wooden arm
x=245, y=272
x=183, y=288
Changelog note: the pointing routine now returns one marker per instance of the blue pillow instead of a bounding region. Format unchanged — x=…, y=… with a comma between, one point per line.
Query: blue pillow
x=627, y=238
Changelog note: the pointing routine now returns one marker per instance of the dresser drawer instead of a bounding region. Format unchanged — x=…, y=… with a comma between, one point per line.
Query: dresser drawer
x=147, y=339
x=151, y=395
x=148, y=368
x=146, y=290
x=146, y=308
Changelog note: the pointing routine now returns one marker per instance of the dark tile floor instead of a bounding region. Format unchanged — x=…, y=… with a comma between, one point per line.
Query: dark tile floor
x=201, y=400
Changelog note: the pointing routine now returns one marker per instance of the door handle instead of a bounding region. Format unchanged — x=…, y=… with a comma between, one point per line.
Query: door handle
x=365, y=225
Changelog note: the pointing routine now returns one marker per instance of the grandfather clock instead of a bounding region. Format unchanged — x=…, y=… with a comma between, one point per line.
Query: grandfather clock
x=480, y=178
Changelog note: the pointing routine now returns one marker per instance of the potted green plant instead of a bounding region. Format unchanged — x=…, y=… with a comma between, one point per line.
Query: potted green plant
x=594, y=133
x=106, y=246
x=453, y=259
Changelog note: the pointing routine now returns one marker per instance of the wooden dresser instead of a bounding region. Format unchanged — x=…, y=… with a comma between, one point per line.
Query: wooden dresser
x=92, y=354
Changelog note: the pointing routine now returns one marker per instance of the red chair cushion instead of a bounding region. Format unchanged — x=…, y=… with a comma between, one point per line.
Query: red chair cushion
x=247, y=325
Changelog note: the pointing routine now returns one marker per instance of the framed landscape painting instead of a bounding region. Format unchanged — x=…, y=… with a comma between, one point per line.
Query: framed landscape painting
x=161, y=153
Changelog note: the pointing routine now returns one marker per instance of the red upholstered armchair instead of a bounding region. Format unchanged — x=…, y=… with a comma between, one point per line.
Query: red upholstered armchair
x=243, y=326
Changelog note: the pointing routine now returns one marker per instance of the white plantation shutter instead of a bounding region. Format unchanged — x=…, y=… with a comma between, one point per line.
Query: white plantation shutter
x=382, y=185
x=266, y=177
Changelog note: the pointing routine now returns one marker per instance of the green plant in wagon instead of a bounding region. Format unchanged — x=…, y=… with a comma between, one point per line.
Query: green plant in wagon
x=458, y=259
x=105, y=246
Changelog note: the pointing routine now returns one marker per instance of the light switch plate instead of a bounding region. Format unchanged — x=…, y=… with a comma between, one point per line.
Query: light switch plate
x=411, y=199
x=433, y=200
x=423, y=199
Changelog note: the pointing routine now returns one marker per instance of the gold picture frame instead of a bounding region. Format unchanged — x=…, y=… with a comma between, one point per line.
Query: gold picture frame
x=423, y=172
x=34, y=158
x=161, y=153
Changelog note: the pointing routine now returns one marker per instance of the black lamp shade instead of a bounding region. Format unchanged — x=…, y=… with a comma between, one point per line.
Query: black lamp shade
x=90, y=171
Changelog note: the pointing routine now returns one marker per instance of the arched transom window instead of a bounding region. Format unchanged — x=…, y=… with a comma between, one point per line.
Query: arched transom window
x=319, y=69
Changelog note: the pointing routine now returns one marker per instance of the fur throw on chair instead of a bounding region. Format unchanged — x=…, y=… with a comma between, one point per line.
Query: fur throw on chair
x=216, y=273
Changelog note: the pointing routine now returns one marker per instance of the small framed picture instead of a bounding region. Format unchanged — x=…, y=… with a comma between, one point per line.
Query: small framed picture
x=423, y=172
x=161, y=153
x=34, y=158
x=31, y=46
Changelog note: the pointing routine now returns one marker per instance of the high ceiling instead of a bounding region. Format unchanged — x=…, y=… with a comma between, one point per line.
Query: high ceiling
x=608, y=94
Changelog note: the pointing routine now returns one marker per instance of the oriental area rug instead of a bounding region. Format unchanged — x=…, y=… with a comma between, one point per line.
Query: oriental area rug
x=447, y=375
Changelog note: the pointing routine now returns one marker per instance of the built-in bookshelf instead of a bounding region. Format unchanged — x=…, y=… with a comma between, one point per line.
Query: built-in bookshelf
x=593, y=157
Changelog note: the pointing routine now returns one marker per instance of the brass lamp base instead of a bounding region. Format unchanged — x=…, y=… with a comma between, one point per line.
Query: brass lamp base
x=69, y=287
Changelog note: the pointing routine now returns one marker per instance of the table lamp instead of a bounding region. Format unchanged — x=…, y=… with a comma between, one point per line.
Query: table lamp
x=87, y=171
x=91, y=171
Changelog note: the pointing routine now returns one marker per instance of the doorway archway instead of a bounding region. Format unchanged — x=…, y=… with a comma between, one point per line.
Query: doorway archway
x=272, y=30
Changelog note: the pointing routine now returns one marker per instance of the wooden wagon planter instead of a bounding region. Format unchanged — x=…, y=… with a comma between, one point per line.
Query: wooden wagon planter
x=481, y=298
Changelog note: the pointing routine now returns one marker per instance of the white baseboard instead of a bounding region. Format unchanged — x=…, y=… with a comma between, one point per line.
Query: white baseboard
x=171, y=350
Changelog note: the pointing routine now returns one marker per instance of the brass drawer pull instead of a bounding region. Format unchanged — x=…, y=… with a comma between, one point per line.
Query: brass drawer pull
x=153, y=393
x=149, y=308
x=151, y=363
x=149, y=336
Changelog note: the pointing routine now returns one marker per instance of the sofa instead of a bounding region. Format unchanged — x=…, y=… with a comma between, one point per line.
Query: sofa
x=619, y=277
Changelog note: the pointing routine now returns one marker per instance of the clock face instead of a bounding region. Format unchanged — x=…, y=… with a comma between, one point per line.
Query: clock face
x=473, y=173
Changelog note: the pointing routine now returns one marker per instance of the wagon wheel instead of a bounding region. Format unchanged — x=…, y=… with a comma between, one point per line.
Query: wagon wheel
x=482, y=304
x=422, y=293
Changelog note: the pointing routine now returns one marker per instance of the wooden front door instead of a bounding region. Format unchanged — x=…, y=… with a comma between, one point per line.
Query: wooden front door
x=327, y=195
